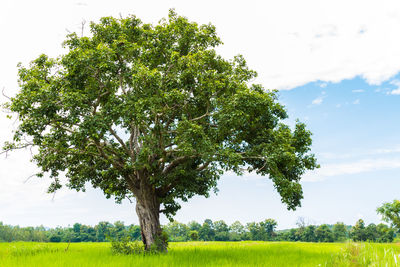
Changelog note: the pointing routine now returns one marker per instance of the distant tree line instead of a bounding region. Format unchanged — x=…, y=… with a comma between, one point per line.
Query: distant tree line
x=103, y=231
x=208, y=231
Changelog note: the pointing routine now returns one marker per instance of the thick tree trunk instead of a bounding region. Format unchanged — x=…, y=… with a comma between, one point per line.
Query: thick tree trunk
x=148, y=211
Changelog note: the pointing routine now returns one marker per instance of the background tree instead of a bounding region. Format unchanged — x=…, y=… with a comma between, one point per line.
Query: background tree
x=323, y=233
x=390, y=213
x=194, y=226
x=193, y=235
x=221, y=231
x=308, y=234
x=207, y=232
x=237, y=231
x=268, y=228
x=384, y=233
x=102, y=231
x=177, y=231
x=339, y=231
x=357, y=232
x=371, y=233
x=153, y=113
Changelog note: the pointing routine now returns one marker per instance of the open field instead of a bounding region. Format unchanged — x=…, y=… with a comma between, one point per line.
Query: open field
x=203, y=254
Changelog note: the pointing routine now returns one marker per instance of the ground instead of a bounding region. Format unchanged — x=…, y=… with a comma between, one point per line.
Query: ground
x=203, y=254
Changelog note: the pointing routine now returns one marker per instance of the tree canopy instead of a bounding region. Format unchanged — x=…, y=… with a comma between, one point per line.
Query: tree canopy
x=152, y=112
x=391, y=213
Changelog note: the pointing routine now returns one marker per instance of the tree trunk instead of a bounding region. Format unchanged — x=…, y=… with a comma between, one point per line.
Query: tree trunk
x=148, y=211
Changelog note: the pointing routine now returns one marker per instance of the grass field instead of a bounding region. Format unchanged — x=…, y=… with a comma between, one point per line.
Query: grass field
x=204, y=254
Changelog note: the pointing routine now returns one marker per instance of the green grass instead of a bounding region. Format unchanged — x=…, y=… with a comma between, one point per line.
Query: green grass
x=202, y=254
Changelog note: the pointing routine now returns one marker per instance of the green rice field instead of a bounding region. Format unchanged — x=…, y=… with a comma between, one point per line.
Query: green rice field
x=203, y=254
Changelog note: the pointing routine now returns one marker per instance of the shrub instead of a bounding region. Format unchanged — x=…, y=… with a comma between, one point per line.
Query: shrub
x=127, y=247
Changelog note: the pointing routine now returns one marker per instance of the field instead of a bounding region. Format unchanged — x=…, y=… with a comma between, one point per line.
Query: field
x=203, y=254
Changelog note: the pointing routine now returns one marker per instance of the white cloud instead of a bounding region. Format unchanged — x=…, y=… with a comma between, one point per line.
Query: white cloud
x=397, y=90
x=374, y=152
x=356, y=102
x=359, y=162
x=318, y=101
x=332, y=41
x=360, y=166
x=358, y=91
x=323, y=85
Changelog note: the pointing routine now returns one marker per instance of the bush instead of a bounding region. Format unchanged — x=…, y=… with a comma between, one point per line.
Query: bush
x=124, y=245
x=194, y=235
x=160, y=244
x=55, y=238
x=127, y=247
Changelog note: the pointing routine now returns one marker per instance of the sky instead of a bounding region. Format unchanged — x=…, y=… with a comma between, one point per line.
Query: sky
x=336, y=65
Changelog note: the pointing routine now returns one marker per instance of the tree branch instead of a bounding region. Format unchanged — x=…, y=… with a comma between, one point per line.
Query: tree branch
x=204, y=166
x=175, y=163
x=119, y=140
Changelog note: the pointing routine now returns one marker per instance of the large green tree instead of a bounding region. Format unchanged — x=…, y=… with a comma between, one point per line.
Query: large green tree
x=152, y=112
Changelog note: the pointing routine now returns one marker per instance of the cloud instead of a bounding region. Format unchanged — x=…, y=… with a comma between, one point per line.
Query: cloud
x=397, y=90
x=323, y=85
x=334, y=43
x=356, y=102
x=288, y=47
x=358, y=91
x=373, y=152
x=364, y=161
x=360, y=166
x=318, y=100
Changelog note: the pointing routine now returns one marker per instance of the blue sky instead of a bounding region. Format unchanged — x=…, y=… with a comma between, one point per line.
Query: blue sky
x=337, y=66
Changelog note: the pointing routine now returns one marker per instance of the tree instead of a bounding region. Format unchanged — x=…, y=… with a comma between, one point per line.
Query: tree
x=308, y=234
x=371, y=233
x=339, y=231
x=323, y=233
x=237, y=231
x=221, y=231
x=194, y=226
x=153, y=113
x=268, y=228
x=390, y=213
x=357, y=232
x=385, y=234
x=194, y=235
x=177, y=231
x=102, y=231
x=206, y=232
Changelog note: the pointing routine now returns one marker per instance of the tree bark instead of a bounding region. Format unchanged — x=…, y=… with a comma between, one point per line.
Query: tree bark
x=148, y=211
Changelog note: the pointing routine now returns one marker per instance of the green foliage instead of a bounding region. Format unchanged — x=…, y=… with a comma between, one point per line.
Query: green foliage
x=339, y=232
x=160, y=244
x=206, y=231
x=390, y=213
x=357, y=232
x=374, y=233
x=261, y=231
x=127, y=247
x=55, y=239
x=324, y=234
x=176, y=231
x=137, y=104
x=194, y=235
x=209, y=231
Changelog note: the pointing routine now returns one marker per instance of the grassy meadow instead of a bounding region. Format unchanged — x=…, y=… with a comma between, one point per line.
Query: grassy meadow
x=203, y=254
